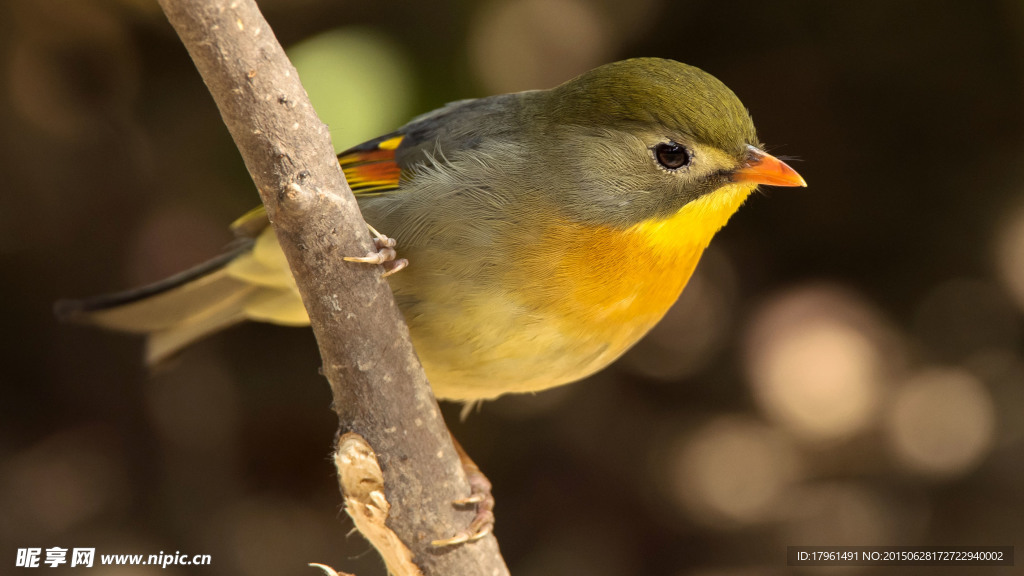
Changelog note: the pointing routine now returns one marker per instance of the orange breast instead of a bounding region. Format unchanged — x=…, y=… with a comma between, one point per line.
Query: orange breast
x=610, y=285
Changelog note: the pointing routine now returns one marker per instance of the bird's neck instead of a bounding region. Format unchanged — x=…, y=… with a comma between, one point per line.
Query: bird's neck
x=691, y=228
x=632, y=276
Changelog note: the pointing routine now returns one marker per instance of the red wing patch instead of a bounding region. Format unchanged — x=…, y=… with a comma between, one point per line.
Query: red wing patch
x=372, y=168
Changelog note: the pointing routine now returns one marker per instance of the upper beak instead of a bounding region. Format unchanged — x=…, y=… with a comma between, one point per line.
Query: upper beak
x=761, y=167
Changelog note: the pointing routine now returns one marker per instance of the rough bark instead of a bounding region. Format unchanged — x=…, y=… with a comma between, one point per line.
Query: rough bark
x=380, y=391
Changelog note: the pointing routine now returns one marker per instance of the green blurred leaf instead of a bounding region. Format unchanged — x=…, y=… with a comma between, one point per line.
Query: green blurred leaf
x=359, y=81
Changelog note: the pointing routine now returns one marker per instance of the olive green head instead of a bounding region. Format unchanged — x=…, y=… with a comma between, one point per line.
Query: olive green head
x=637, y=140
x=658, y=92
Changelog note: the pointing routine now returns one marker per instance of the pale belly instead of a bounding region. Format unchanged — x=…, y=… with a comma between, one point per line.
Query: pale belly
x=494, y=346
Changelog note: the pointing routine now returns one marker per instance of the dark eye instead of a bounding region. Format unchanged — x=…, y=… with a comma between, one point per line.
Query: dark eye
x=672, y=155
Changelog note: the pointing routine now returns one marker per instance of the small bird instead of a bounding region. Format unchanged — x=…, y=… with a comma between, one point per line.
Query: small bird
x=547, y=230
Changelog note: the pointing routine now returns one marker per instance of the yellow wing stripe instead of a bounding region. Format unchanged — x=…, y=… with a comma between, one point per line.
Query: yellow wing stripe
x=390, y=143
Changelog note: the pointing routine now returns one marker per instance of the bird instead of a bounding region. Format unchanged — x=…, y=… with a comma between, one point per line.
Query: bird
x=546, y=231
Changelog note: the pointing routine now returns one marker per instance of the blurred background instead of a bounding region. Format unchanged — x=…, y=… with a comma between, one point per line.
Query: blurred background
x=846, y=367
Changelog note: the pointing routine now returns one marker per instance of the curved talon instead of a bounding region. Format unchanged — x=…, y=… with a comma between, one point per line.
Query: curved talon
x=392, y=267
x=481, y=525
x=461, y=538
x=479, y=496
x=474, y=499
x=385, y=254
x=384, y=241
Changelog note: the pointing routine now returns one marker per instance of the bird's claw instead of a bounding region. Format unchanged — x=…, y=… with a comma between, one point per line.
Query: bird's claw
x=385, y=254
x=474, y=499
x=479, y=496
x=481, y=525
x=461, y=538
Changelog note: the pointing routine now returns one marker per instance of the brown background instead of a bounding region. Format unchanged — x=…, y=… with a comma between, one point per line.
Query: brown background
x=847, y=367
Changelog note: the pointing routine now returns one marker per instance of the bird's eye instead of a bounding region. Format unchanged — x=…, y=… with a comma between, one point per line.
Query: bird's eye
x=671, y=155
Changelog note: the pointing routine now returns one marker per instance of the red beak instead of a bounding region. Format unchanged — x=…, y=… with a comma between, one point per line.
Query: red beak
x=761, y=167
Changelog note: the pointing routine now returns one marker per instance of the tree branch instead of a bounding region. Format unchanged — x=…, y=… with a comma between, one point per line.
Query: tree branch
x=379, y=389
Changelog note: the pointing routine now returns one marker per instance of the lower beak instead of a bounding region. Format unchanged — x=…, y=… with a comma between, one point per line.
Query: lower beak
x=761, y=167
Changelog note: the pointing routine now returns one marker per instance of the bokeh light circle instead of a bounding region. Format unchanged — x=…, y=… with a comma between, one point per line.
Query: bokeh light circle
x=732, y=471
x=816, y=359
x=941, y=421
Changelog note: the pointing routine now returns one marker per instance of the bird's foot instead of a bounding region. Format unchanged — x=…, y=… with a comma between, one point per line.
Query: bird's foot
x=479, y=496
x=385, y=254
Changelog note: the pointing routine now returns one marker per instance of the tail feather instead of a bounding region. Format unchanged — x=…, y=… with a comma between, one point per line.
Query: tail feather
x=174, y=312
x=228, y=310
